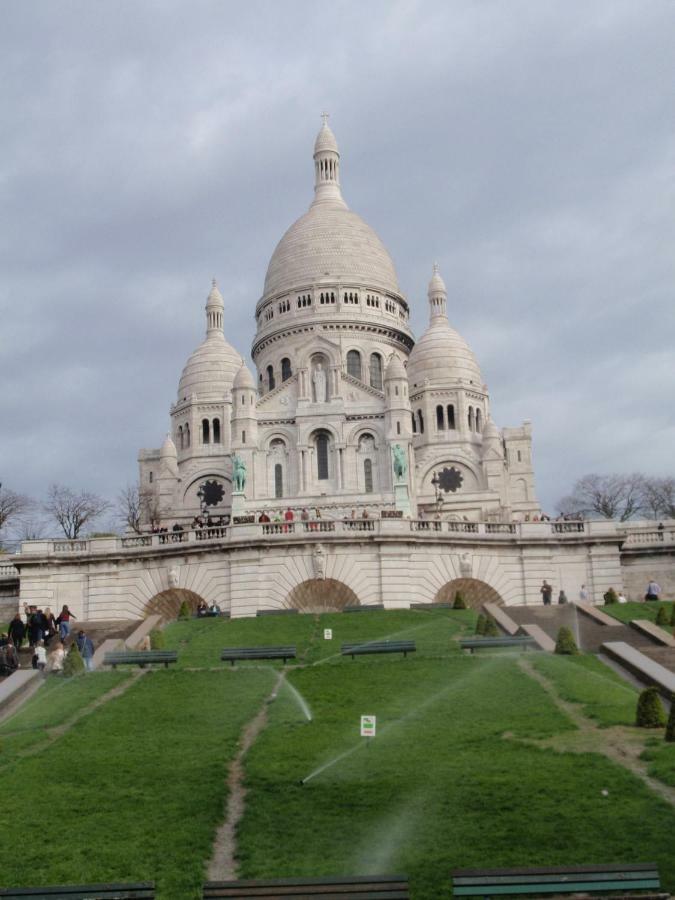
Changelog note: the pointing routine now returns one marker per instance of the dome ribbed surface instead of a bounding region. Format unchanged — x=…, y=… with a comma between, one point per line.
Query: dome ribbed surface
x=330, y=242
x=210, y=370
x=395, y=368
x=442, y=356
x=244, y=379
x=325, y=140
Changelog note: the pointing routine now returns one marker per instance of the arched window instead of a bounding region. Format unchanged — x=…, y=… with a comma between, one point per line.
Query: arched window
x=270, y=378
x=150, y=477
x=278, y=480
x=414, y=423
x=470, y=418
x=376, y=371
x=421, y=418
x=368, y=475
x=398, y=428
x=187, y=435
x=216, y=431
x=205, y=431
x=285, y=369
x=243, y=437
x=322, y=456
x=354, y=364
x=478, y=420
x=180, y=437
x=451, y=416
x=440, y=421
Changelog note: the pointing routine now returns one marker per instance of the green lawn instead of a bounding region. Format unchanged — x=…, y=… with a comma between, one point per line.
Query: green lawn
x=625, y=612
x=583, y=679
x=136, y=789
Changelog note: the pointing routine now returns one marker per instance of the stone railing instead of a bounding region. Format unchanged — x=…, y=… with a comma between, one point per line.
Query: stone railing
x=7, y=570
x=251, y=531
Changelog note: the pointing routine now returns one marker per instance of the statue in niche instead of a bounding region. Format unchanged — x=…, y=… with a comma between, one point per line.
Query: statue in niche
x=465, y=567
x=174, y=574
x=319, y=561
x=367, y=443
x=319, y=382
x=238, y=473
x=400, y=464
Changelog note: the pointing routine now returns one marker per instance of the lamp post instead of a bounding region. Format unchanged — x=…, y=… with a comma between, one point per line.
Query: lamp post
x=436, y=482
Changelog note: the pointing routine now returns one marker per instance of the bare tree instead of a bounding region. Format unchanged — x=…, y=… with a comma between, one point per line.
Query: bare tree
x=659, y=497
x=136, y=506
x=12, y=507
x=608, y=496
x=73, y=510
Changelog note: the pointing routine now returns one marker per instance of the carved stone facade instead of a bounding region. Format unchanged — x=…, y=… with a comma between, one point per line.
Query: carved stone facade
x=339, y=384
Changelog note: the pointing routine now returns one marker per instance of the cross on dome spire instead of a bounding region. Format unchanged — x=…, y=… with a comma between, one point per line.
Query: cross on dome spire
x=325, y=116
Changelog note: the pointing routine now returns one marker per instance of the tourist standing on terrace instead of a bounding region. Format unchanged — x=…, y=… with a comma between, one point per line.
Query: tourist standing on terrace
x=546, y=592
x=653, y=591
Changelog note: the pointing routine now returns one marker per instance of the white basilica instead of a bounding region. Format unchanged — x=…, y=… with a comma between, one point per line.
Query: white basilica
x=341, y=391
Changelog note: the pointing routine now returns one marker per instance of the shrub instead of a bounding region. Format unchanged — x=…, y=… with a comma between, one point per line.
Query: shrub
x=481, y=622
x=184, y=612
x=73, y=664
x=670, y=727
x=662, y=616
x=650, y=713
x=459, y=601
x=672, y=616
x=610, y=597
x=566, y=643
x=491, y=629
x=157, y=641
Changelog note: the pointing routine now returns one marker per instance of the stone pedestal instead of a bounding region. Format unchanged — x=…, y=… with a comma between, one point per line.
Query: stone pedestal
x=238, y=503
x=402, y=498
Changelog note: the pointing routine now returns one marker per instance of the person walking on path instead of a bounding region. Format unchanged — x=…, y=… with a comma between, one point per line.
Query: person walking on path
x=86, y=648
x=653, y=591
x=63, y=622
x=40, y=656
x=546, y=592
x=17, y=631
x=583, y=594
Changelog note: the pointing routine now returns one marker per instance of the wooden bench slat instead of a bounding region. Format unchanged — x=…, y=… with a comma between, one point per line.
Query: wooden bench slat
x=403, y=647
x=365, y=887
x=556, y=880
x=142, y=890
x=571, y=887
x=139, y=658
x=244, y=653
x=558, y=870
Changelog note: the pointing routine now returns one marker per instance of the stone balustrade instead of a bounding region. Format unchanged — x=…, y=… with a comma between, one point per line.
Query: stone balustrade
x=299, y=529
x=7, y=570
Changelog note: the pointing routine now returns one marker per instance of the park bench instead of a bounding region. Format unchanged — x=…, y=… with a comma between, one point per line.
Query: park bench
x=139, y=658
x=591, y=879
x=143, y=890
x=404, y=647
x=521, y=642
x=366, y=887
x=369, y=608
x=234, y=653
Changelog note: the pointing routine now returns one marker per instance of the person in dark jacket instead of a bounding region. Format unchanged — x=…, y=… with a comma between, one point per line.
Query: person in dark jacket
x=17, y=631
x=86, y=648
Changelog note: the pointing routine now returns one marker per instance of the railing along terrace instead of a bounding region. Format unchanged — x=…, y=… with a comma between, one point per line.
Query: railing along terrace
x=246, y=528
x=7, y=570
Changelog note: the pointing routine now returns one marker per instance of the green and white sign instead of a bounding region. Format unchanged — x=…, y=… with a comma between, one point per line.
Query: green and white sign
x=368, y=726
x=328, y=634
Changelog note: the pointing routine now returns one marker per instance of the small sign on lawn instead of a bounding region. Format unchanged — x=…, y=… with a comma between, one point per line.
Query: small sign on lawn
x=368, y=726
x=328, y=634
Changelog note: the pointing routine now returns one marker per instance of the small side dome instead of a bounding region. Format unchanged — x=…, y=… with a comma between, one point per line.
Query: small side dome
x=244, y=379
x=168, y=449
x=491, y=432
x=442, y=357
x=395, y=368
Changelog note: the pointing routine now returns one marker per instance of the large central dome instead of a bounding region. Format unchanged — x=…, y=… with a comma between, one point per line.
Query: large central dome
x=330, y=242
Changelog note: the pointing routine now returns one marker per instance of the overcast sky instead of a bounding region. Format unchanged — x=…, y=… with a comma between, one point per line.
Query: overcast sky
x=145, y=147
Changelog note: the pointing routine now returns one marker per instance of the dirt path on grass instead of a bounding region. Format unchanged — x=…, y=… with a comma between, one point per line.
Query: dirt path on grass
x=621, y=744
x=57, y=731
x=223, y=864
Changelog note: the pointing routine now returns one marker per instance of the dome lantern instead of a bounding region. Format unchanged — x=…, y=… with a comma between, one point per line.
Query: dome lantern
x=327, y=167
x=438, y=295
x=215, y=309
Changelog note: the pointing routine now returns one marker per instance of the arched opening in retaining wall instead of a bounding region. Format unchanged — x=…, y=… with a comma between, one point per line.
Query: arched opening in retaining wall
x=167, y=603
x=474, y=592
x=317, y=595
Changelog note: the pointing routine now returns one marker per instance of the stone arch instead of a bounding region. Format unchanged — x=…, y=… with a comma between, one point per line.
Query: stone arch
x=474, y=592
x=167, y=603
x=317, y=595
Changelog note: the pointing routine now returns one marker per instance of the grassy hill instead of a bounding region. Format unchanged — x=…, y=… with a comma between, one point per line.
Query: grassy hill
x=121, y=776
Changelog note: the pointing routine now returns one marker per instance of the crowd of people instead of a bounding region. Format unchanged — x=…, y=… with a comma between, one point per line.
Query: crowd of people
x=46, y=638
